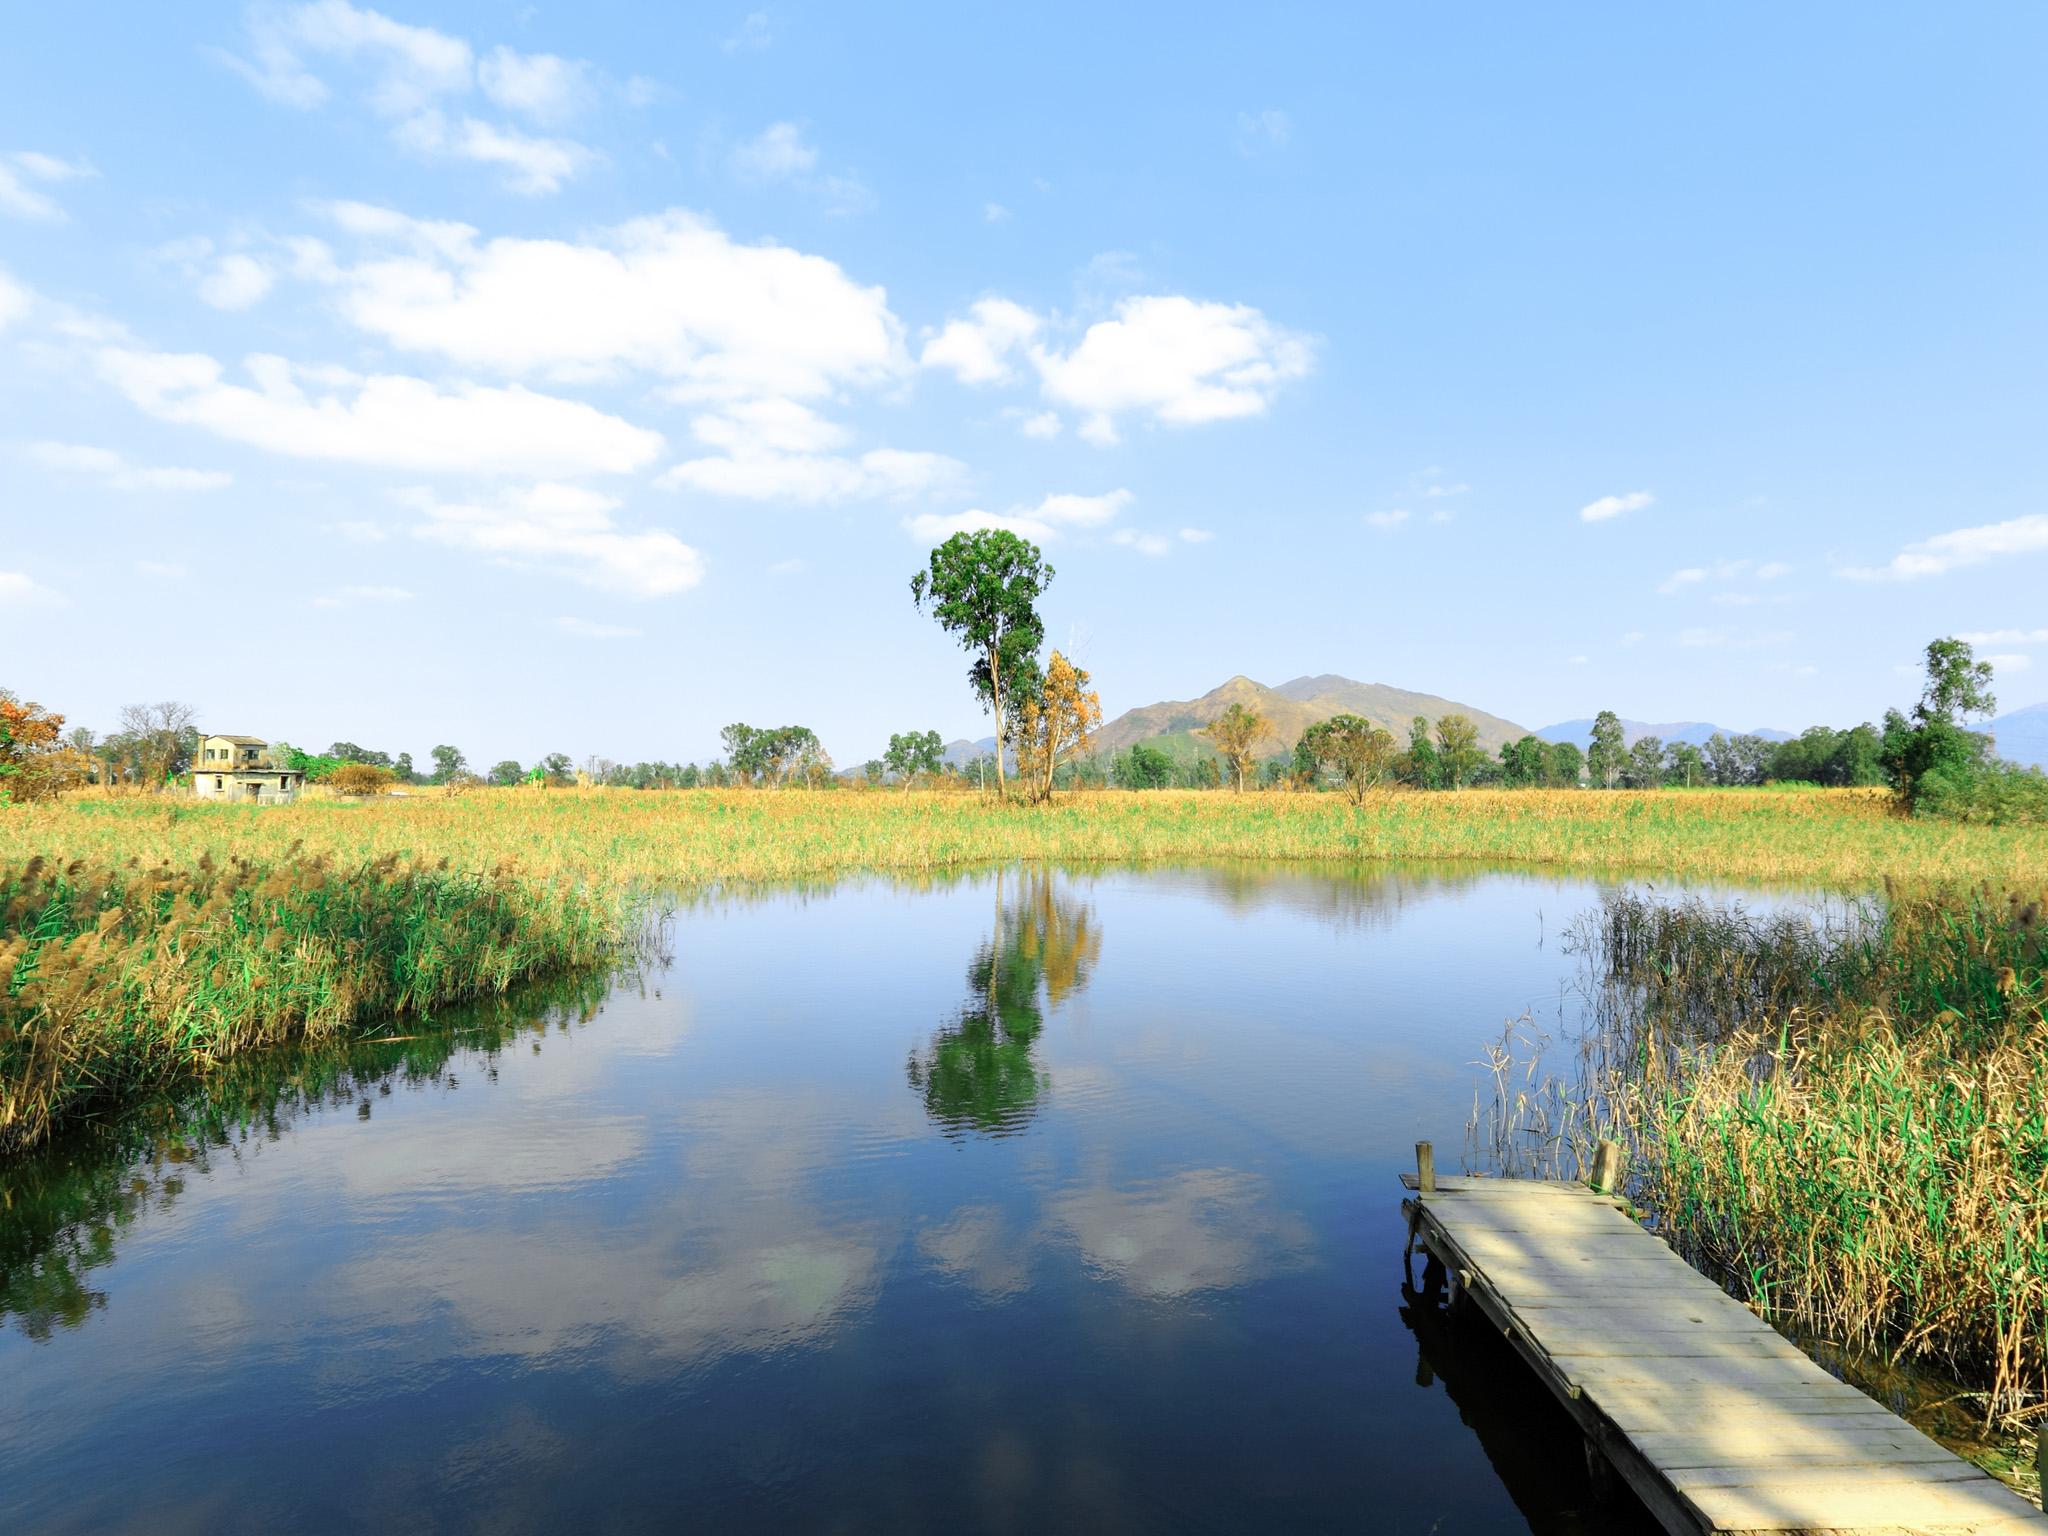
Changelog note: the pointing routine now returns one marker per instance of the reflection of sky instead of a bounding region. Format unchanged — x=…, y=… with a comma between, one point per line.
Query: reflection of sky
x=711, y=1240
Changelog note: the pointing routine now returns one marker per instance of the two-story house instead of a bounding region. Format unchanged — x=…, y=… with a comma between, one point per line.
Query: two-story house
x=241, y=768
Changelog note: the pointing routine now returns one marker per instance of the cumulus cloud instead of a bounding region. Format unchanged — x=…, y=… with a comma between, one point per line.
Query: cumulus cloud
x=777, y=154
x=15, y=300
x=756, y=32
x=20, y=199
x=1056, y=514
x=812, y=478
x=1196, y=535
x=1042, y=425
x=116, y=473
x=1154, y=544
x=388, y=420
x=1962, y=547
x=2005, y=637
x=349, y=597
x=236, y=282
x=2010, y=661
x=1389, y=520
x=1259, y=132
x=1175, y=360
x=672, y=295
x=562, y=528
x=1605, y=507
x=994, y=213
x=412, y=74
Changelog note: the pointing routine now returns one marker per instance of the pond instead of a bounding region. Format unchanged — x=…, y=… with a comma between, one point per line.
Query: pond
x=1020, y=1201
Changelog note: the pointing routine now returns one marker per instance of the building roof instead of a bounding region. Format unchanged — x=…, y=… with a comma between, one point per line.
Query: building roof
x=241, y=741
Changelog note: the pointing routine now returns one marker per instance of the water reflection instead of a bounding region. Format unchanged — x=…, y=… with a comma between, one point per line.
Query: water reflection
x=978, y=1073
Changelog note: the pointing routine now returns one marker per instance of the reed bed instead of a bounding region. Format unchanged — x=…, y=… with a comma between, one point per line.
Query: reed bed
x=121, y=977
x=1843, y=839
x=1844, y=1117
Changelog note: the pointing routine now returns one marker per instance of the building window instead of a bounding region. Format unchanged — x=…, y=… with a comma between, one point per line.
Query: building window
x=217, y=781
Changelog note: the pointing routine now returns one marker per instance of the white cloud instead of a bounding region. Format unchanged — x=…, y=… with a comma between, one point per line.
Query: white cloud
x=118, y=474
x=161, y=570
x=1196, y=535
x=1442, y=515
x=1437, y=491
x=563, y=528
x=1732, y=639
x=2009, y=661
x=15, y=300
x=1773, y=570
x=23, y=201
x=670, y=294
x=777, y=154
x=1599, y=511
x=812, y=478
x=18, y=591
x=533, y=166
x=1144, y=543
x=236, y=282
x=536, y=85
x=412, y=73
x=1576, y=661
x=994, y=213
x=1043, y=425
x=388, y=420
x=978, y=348
x=1258, y=132
x=2005, y=637
x=1389, y=520
x=1055, y=515
x=1178, y=360
x=756, y=32
x=358, y=532
x=1961, y=547
x=1633, y=637
x=587, y=629
x=1691, y=576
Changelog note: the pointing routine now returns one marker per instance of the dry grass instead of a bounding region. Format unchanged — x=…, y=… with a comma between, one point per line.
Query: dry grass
x=1844, y=839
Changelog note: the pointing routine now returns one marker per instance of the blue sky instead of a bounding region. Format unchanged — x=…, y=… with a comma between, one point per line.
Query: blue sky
x=585, y=378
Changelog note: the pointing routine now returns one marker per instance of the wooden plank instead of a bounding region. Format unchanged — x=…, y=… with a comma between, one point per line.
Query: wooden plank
x=1853, y=1503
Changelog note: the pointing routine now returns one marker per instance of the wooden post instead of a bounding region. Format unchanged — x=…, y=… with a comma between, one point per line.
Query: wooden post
x=1425, y=1168
x=1606, y=1165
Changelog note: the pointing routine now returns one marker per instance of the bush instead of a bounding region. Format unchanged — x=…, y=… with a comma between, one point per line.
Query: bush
x=360, y=779
x=1994, y=794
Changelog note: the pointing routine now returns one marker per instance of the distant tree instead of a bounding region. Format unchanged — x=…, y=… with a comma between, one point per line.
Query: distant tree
x=1685, y=764
x=716, y=775
x=690, y=777
x=402, y=769
x=448, y=761
x=1143, y=767
x=874, y=770
x=1606, y=758
x=1234, y=732
x=984, y=588
x=360, y=779
x=1958, y=685
x=1567, y=765
x=1419, y=765
x=349, y=752
x=1525, y=763
x=163, y=737
x=507, y=772
x=35, y=763
x=1360, y=753
x=1933, y=741
x=1207, y=775
x=1457, y=750
x=1644, y=766
x=912, y=753
x=1054, y=722
x=556, y=770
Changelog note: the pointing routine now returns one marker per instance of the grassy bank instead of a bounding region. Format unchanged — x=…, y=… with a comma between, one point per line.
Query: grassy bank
x=1846, y=1120
x=1845, y=839
x=128, y=975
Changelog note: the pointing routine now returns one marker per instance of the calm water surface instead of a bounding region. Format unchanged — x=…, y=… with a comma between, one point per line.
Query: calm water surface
x=1022, y=1202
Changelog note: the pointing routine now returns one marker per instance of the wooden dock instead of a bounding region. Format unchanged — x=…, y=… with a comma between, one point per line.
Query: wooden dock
x=1717, y=1421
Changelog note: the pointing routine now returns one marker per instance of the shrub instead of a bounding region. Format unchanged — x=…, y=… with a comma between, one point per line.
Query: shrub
x=1994, y=794
x=360, y=779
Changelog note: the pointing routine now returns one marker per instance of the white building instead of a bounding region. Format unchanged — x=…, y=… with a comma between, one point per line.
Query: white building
x=241, y=768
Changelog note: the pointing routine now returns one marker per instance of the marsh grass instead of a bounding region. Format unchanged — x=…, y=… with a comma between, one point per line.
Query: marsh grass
x=1843, y=1116
x=117, y=979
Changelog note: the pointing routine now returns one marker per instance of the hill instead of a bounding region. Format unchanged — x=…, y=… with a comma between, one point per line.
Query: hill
x=2022, y=736
x=1694, y=731
x=1290, y=709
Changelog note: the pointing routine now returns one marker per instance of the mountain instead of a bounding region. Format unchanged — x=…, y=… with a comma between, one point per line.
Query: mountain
x=960, y=753
x=1694, y=731
x=1289, y=709
x=2022, y=736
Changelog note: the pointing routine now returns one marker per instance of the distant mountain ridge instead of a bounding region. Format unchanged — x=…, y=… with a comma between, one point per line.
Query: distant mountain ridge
x=1289, y=710
x=1633, y=731
x=2022, y=736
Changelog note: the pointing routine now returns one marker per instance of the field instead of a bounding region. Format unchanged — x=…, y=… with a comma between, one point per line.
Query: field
x=689, y=839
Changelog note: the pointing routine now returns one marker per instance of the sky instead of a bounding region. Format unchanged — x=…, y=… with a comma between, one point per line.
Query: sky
x=584, y=378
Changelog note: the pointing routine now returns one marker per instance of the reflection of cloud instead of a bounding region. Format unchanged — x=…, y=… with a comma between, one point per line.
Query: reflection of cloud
x=977, y=1248
x=1196, y=1231
x=450, y=1158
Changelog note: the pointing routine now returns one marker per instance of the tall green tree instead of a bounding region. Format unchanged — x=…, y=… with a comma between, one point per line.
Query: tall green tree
x=912, y=753
x=1933, y=741
x=1457, y=750
x=507, y=772
x=1608, y=754
x=448, y=762
x=1644, y=768
x=1419, y=766
x=983, y=588
x=1360, y=753
x=1234, y=732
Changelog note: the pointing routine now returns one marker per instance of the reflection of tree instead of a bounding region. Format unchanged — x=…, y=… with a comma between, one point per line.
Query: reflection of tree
x=65, y=1208
x=978, y=1072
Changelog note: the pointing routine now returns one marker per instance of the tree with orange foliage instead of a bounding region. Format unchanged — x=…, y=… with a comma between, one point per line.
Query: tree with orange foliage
x=34, y=763
x=1053, y=724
